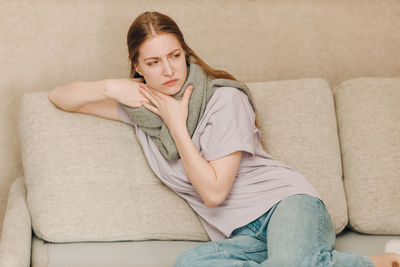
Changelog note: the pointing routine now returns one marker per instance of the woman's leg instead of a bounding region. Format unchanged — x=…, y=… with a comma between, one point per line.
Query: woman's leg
x=239, y=250
x=296, y=232
x=245, y=247
x=300, y=233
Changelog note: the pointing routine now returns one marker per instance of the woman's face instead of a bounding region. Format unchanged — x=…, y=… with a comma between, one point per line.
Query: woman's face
x=162, y=63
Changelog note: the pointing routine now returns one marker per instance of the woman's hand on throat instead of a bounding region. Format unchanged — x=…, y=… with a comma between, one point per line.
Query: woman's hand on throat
x=172, y=111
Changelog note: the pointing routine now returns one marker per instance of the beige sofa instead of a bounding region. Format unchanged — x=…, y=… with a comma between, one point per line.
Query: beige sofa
x=77, y=189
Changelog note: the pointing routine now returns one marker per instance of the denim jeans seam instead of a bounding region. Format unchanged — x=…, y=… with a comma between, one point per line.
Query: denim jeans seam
x=242, y=251
x=217, y=250
x=320, y=228
x=322, y=210
x=256, y=248
x=320, y=225
x=253, y=228
x=227, y=255
x=253, y=250
x=216, y=247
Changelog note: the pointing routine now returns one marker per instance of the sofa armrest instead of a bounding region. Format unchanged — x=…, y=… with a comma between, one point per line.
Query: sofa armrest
x=15, y=243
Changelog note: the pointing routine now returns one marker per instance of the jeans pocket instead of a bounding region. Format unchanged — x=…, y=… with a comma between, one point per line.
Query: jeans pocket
x=244, y=230
x=254, y=226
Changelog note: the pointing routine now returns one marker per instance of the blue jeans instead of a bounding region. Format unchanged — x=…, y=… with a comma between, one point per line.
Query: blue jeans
x=297, y=231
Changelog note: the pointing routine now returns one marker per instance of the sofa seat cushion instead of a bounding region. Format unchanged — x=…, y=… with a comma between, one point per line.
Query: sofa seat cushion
x=362, y=243
x=142, y=253
x=122, y=253
x=368, y=112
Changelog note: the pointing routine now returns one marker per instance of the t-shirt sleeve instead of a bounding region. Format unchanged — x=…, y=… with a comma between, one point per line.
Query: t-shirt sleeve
x=123, y=115
x=230, y=125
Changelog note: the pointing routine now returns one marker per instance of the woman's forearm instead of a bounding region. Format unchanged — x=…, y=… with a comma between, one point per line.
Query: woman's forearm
x=200, y=173
x=212, y=180
x=71, y=96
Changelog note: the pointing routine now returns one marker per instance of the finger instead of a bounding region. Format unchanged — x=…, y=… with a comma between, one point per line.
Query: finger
x=154, y=93
x=143, y=98
x=149, y=95
x=151, y=108
x=187, y=93
x=157, y=94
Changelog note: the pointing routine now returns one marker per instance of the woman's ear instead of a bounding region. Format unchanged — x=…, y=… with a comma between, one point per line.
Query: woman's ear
x=138, y=71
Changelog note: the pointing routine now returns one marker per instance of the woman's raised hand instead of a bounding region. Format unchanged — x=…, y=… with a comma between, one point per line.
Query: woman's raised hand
x=172, y=111
x=126, y=91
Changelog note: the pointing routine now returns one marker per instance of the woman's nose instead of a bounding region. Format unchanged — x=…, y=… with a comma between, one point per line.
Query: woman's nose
x=168, y=71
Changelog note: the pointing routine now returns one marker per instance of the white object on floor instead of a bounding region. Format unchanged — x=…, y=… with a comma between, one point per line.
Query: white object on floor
x=392, y=246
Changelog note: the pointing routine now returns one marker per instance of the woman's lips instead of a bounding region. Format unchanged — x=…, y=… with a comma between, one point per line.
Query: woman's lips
x=170, y=82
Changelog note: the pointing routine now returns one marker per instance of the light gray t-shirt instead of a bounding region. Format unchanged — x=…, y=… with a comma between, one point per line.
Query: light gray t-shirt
x=228, y=125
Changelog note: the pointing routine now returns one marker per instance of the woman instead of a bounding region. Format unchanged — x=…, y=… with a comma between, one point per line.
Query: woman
x=197, y=129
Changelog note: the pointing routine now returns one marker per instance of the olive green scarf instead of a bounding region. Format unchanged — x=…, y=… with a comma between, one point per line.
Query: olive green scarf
x=204, y=87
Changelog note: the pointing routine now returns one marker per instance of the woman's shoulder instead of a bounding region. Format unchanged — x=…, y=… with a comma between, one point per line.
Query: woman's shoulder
x=227, y=102
x=229, y=95
x=229, y=98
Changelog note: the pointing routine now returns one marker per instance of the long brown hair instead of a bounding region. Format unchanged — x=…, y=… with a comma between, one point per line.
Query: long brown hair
x=149, y=24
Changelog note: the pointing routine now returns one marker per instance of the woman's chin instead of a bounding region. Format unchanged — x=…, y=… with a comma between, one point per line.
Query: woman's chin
x=173, y=90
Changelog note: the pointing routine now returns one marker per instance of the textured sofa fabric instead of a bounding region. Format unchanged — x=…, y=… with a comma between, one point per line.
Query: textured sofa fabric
x=87, y=180
x=15, y=245
x=141, y=253
x=132, y=254
x=298, y=124
x=45, y=43
x=79, y=168
x=368, y=112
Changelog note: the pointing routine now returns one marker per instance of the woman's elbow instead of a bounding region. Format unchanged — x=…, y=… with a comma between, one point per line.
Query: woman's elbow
x=214, y=200
x=52, y=97
x=55, y=98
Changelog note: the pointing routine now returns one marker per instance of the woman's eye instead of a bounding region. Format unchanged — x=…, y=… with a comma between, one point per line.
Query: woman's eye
x=177, y=55
x=152, y=62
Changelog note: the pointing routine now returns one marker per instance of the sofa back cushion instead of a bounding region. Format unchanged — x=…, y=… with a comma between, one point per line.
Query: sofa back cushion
x=87, y=178
x=298, y=122
x=368, y=112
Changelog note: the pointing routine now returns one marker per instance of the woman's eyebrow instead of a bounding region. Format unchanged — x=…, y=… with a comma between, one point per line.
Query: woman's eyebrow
x=173, y=51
